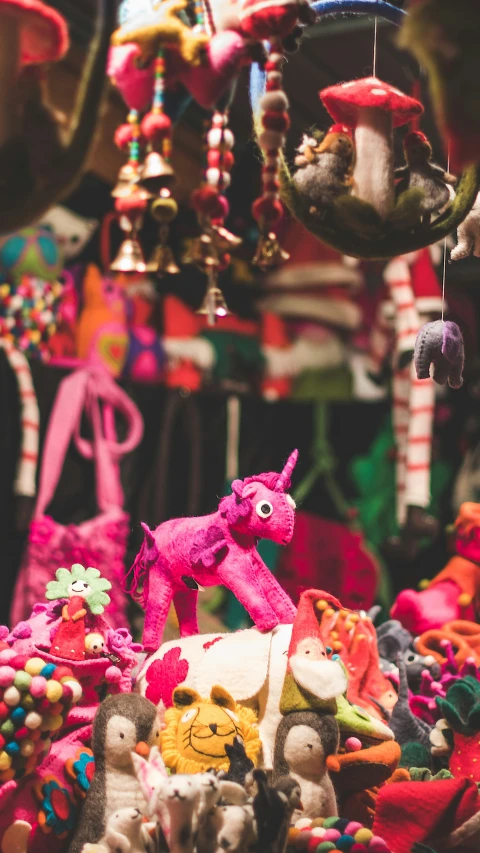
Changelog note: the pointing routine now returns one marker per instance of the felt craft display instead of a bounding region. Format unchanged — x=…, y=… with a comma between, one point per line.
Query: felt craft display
x=100, y=541
x=35, y=699
x=123, y=725
x=183, y=555
x=83, y=588
x=34, y=35
x=325, y=167
x=198, y=731
x=101, y=335
x=419, y=173
x=440, y=345
x=414, y=292
x=468, y=235
x=304, y=741
x=453, y=593
x=340, y=833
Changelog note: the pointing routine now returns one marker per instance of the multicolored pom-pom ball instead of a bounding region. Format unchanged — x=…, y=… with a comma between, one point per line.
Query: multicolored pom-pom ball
x=35, y=698
x=334, y=835
x=28, y=313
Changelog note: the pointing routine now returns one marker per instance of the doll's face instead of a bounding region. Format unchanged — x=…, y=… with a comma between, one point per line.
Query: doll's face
x=79, y=588
x=303, y=750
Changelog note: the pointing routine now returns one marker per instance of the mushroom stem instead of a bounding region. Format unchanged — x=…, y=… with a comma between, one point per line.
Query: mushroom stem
x=9, y=69
x=374, y=169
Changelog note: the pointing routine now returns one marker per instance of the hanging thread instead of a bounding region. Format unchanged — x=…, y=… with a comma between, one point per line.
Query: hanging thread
x=444, y=278
x=375, y=44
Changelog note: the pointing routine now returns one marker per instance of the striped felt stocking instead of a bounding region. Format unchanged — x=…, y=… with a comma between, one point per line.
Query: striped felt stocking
x=25, y=480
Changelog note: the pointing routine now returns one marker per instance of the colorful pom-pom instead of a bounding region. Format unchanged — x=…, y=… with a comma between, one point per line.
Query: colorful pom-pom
x=156, y=126
x=363, y=836
x=7, y=676
x=353, y=744
x=54, y=691
x=12, y=696
x=5, y=761
x=38, y=686
x=48, y=670
x=34, y=666
x=22, y=680
x=325, y=847
x=331, y=834
x=33, y=720
x=123, y=137
x=345, y=843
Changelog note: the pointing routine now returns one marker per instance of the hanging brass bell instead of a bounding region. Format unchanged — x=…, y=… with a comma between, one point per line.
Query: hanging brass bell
x=127, y=181
x=162, y=261
x=201, y=252
x=269, y=252
x=214, y=304
x=224, y=240
x=156, y=173
x=130, y=257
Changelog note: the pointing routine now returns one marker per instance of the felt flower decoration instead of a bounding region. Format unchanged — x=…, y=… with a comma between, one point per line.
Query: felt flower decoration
x=80, y=769
x=57, y=812
x=96, y=598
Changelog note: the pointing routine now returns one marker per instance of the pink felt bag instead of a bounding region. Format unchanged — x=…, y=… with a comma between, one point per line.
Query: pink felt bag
x=101, y=541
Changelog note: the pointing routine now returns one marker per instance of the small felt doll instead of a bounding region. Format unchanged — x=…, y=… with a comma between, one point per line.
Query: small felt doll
x=85, y=590
x=326, y=170
x=198, y=730
x=440, y=344
x=420, y=173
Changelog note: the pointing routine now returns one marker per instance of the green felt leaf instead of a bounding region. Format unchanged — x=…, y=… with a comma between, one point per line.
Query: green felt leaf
x=55, y=590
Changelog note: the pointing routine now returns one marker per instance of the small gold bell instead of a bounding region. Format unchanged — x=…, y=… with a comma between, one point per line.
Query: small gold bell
x=214, y=304
x=202, y=253
x=162, y=261
x=127, y=181
x=269, y=252
x=130, y=257
x=224, y=240
x=156, y=173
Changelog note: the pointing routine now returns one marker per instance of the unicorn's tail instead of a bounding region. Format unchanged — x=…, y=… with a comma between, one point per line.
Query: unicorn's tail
x=134, y=583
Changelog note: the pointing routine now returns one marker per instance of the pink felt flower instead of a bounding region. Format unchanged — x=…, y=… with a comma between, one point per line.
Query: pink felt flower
x=164, y=675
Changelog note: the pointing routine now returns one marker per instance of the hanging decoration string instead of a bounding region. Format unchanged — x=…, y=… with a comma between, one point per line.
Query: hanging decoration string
x=444, y=277
x=375, y=45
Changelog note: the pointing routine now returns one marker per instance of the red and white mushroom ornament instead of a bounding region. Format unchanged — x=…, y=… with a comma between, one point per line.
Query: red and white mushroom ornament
x=372, y=109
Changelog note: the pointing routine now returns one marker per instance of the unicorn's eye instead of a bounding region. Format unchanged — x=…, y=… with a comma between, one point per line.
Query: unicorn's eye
x=264, y=509
x=188, y=715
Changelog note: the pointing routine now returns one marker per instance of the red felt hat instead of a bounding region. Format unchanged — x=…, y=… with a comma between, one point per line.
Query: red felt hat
x=43, y=31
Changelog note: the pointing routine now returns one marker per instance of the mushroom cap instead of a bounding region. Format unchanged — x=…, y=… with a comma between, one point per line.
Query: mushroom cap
x=344, y=101
x=43, y=33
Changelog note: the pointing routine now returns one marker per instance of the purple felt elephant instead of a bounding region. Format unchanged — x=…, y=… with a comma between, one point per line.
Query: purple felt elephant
x=440, y=343
x=185, y=554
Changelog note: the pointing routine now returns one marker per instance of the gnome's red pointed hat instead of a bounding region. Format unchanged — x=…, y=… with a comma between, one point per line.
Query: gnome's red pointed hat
x=313, y=680
x=42, y=31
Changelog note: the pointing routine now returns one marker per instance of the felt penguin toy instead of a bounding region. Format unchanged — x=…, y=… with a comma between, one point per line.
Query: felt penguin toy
x=326, y=167
x=420, y=173
x=123, y=724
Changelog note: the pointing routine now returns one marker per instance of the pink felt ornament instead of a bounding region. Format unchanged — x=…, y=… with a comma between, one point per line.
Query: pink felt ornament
x=183, y=555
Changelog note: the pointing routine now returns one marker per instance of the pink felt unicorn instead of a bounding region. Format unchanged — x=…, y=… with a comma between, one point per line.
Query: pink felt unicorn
x=184, y=554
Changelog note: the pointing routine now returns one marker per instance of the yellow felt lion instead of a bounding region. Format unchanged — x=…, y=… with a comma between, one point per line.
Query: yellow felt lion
x=196, y=731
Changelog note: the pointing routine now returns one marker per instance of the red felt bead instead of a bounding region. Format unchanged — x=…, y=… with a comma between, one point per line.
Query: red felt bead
x=268, y=209
x=22, y=733
x=123, y=136
x=207, y=201
x=276, y=121
x=272, y=66
x=156, y=127
x=215, y=158
x=2, y=741
x=4, y=710
x=131, y=204
x=18, y=661
x=62, y=672
x=271, y=186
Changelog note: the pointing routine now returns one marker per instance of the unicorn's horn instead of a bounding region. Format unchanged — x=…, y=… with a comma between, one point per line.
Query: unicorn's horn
x=283, y=481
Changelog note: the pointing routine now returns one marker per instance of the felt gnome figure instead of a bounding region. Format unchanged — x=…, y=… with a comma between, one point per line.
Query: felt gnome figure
x=414, y=297
x=312, y=680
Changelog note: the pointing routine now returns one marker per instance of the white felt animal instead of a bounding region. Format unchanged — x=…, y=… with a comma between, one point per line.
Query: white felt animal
x=257, y=677
x=127, y=832
x=468, y=235
x=71, y=230
x=152, y=777
x=227, y=828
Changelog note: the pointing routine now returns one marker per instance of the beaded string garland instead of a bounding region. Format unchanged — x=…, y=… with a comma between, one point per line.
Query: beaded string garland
x=272, y=20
